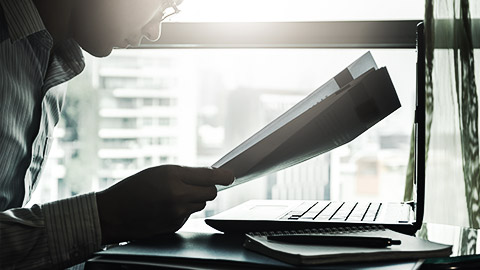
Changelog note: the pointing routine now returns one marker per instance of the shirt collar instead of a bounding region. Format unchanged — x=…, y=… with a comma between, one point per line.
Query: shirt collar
x=22, y=18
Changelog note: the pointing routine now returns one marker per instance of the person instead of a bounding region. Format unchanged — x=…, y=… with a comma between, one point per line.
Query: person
x=40, y=43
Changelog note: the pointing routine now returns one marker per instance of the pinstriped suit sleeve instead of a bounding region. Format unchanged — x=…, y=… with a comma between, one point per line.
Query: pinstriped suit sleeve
x=62, y=233
x=56, y=235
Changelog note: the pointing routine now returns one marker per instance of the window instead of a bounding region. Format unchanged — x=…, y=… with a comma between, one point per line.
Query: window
x=166, y=141
x=119, y=123
x=147, y=121
x=166, y=102
x=126, y=103
x=148, y=102
x=237, y=92
x=119, y=164
x=119, y=143
x=118, y=82
x=147, y=161
x=164, y=121
x=203, y=101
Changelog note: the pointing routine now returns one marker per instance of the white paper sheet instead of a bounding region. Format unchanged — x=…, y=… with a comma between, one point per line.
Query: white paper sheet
x=332, y=115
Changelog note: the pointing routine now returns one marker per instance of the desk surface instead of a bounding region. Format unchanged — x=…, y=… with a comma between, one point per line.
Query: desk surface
x=198, y=246
x=201, y=250
x=464, y=240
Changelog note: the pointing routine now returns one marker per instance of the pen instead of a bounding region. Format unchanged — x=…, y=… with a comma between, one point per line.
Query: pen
x=336, y=240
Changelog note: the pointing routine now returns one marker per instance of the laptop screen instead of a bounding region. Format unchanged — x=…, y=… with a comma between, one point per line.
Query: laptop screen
x=419, y=176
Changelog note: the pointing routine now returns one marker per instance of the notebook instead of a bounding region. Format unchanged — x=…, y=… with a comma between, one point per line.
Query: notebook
x=304, y=254
x=405, y=217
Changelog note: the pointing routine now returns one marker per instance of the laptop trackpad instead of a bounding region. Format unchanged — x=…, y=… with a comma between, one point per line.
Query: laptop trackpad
x=259, y=210
x=269, y=211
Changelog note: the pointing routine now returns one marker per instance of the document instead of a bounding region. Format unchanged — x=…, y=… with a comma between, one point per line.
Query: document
x=334, y=114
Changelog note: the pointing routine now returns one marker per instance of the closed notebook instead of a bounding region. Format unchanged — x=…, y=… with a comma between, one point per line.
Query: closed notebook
x=314, y=254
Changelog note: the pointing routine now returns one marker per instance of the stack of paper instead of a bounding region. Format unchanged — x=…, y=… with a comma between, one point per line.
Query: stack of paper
x=334, y=114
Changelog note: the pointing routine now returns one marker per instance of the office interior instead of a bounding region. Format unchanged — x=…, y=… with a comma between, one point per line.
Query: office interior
x=223, y=69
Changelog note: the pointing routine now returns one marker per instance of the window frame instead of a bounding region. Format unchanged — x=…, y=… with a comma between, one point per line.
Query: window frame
x=332, y=34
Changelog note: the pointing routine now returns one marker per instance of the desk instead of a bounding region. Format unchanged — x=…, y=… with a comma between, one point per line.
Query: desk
x=465, y=250
x=197, y=246
x=464, y=240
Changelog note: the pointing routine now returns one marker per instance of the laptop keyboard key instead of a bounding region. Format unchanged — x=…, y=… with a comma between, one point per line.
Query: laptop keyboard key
x=372, y=212
x=315, y=210
x=319, y=207
x=304, y=207
x=343, y=212
x=355, y=218
x=358, y=212
x=299, y=211
x=327, y=213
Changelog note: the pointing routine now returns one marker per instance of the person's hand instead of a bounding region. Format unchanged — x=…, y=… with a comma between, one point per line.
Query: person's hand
x=156, y=200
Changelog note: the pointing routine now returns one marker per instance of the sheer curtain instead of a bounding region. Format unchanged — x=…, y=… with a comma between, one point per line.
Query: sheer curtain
x=452, y=78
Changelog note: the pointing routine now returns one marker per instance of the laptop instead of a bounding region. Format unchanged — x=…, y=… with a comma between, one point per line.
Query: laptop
x=281, y=215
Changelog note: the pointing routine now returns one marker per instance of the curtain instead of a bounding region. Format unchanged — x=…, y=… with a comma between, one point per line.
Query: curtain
x=452, y=32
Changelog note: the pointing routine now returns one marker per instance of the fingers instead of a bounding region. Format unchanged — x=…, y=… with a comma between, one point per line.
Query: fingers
x=195, y=207
x=206, y=176
x=197, y=194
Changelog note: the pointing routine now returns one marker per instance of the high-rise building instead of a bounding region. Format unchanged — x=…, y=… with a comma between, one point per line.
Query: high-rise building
x=147, y=113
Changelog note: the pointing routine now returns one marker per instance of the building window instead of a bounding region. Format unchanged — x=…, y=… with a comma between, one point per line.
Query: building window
x=147, y=121
x=126, y=103
x=166, y=102
x=148, y=102
x=165, y=121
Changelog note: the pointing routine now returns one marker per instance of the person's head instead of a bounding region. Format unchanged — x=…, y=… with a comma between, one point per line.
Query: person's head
x=100, y=25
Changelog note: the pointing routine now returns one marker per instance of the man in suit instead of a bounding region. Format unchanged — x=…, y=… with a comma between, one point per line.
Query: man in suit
x=40, y=43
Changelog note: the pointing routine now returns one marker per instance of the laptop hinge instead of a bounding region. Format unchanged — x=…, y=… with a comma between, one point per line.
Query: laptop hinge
x=412, y=204
x=413, y=215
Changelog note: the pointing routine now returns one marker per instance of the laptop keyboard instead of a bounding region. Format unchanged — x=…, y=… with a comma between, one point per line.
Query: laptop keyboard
x=335, y=211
